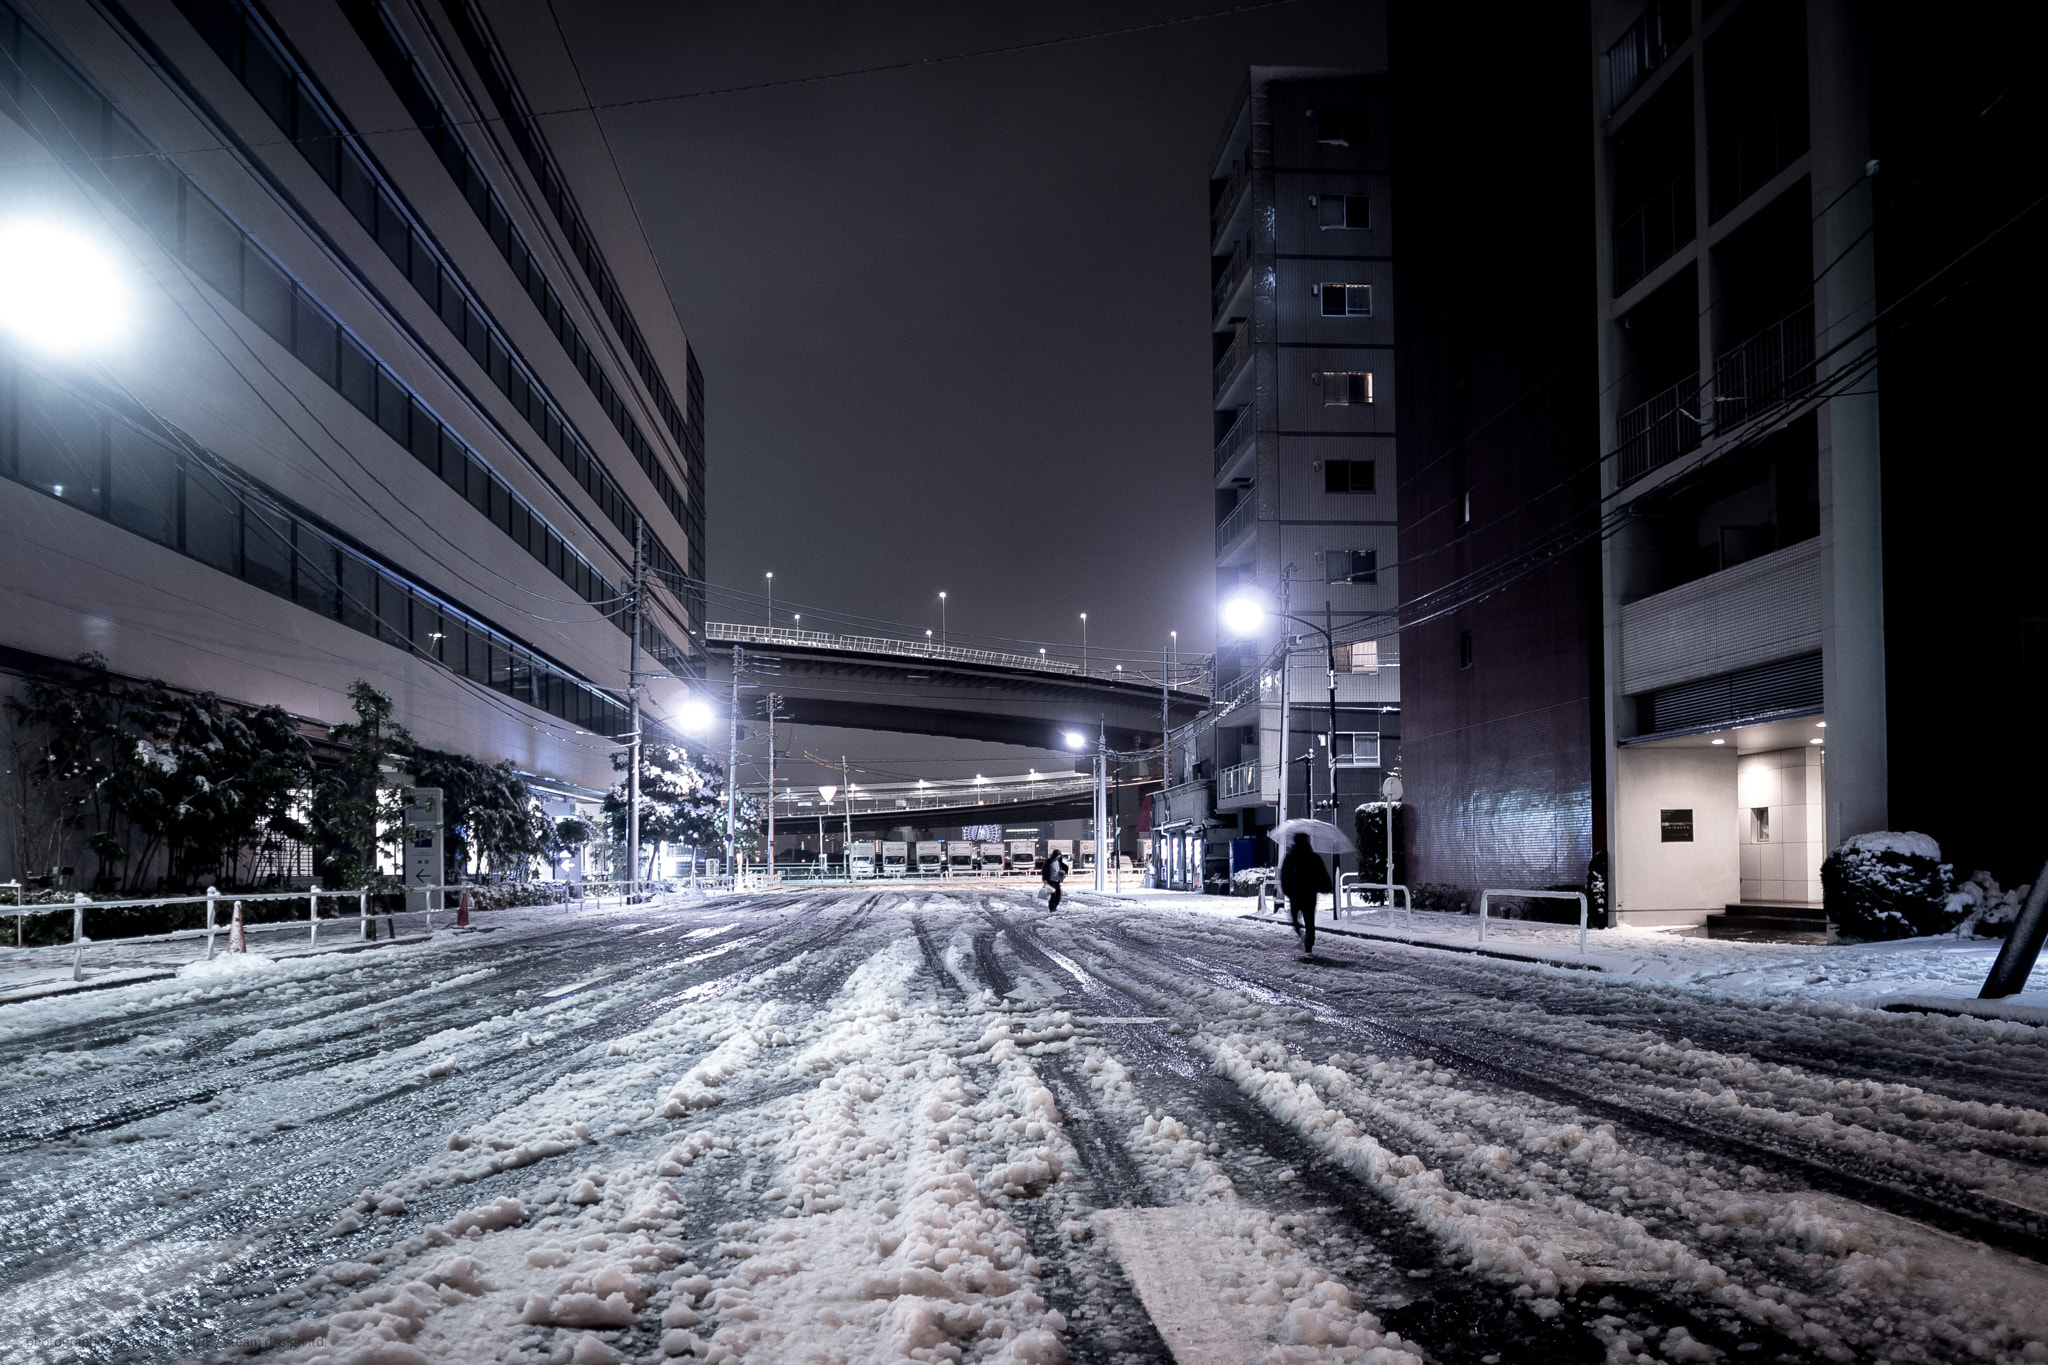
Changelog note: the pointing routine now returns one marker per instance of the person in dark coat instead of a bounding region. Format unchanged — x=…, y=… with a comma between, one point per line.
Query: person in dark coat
x=1303, y=877
x=1055, y=872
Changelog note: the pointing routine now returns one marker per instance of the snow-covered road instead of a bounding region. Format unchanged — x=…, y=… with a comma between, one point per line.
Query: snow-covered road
x=945, y=1125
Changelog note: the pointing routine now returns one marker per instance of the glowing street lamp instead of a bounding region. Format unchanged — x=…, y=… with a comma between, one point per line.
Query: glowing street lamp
x=695, y=716
x=1075, y=739
x=1243, y=615
x=58, y=290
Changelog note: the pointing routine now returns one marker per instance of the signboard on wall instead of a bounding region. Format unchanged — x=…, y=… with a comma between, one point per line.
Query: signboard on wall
x=1675, y=826
x=422, y=862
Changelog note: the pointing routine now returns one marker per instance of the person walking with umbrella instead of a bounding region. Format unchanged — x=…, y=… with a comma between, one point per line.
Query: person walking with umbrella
x=1303, y=875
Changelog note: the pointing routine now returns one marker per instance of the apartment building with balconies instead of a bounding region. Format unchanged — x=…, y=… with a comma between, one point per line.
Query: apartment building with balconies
x=400, y=394
x=1302, y=326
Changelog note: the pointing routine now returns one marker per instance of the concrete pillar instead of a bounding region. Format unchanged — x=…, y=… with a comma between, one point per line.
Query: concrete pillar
x=1851, y=484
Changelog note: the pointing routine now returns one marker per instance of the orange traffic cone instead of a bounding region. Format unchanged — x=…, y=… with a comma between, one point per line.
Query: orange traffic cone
x=237, y=942
x=462, y=911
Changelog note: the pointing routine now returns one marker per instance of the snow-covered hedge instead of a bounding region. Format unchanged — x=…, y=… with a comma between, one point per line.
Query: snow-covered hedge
x=1984, y=910
x=1245, y=881
x=1888, y=885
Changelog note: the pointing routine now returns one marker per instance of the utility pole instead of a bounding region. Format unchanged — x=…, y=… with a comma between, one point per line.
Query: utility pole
x=773, y=701
x=846, y=793
x=1084, y=651
x=1101, y=803
x=732, y=772
x=1286, y=652
x=633, y=690
x=1165, y=720
x=1330, y=644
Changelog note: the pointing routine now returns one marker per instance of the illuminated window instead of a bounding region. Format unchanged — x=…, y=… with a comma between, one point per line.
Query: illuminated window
x=1345, y=300
x=1352, y=566
x=1343, y=388
x=1360, y=656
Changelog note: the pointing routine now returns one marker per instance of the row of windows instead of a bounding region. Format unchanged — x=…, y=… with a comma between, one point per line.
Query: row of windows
x=474, y=34
x=1342, y=210
x=75, y=122
x=437, y=124
x=262, y=66
x=55, y=441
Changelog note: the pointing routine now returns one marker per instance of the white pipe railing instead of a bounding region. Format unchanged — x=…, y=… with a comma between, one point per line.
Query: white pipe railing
x=1350, y=883
x=1578, y=896
x=584, y=892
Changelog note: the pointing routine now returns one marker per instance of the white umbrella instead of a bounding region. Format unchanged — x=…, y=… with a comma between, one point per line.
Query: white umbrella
x=1323, y=836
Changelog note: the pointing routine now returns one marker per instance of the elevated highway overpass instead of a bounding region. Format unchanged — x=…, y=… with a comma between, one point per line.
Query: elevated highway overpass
x=912, y=687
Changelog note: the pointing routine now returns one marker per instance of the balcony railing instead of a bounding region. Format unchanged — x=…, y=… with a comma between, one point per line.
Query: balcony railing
x=1646, y=238
x=1240, y=520
x=1657, y=432
x=1238, y=780
x=1234, y=359
x=1775, y=362
x=1644, y=47
x=1227, y=202
x=1236, y=439
x=1233, y=275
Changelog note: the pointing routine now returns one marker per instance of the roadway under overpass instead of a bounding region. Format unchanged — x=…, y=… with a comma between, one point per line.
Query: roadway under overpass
x=871, y=683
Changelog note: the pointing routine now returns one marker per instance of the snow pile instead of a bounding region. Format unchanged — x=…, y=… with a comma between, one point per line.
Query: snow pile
x=226, y=965
x=1888, y=885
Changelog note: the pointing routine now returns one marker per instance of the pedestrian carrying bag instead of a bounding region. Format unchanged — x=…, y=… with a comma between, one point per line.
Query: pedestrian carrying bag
x=1045, y=893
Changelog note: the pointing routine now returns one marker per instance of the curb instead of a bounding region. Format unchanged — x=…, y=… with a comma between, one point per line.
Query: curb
x=1567, y=963
x=1995, y=1010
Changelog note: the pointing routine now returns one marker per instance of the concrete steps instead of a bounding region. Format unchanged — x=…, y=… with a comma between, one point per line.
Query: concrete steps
x=1769, y=922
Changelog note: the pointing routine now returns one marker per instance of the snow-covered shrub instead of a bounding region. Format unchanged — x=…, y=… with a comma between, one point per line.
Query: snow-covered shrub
x=1985, y=911
x=1245, y=881
x=1441, y=896
x=1888, y=885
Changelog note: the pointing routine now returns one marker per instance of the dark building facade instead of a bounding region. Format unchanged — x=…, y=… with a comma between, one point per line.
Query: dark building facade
x=1496, y=434
x=1715, y=445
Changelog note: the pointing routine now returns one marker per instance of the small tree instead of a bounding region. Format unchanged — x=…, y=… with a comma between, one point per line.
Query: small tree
x=682, y=801
x=355, y=812
x=490, y=813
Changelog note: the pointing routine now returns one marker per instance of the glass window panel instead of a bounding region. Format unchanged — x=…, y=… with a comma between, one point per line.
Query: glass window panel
x=501, y=668
x=521, y=685
x=476, y=335
x=394, y=406
x=455, y=462
x=358, y=377
x=213, y=246
x=59, y=444
x=220, y=23
x=425, y=272
x=501, y=506
x=316, y=585
x=213, y=519
x=476, y=654
x=144, y=184
x=392, y=234
x=426, y=437
x=316, y=138
x=267, y=78
x=358, y=595
x=480, y=483
x=518, y=523
x=358, y=188
x=58, y=104
x=448, y=294
x=267, y=549
x=143, y=484
x=393, y=611
x=315, y=339
x=267, y=297
x=427, y=630
x=1333, y=300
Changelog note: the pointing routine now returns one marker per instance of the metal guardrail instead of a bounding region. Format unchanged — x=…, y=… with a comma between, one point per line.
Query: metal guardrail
x=1234, y=359
x=1776, y=361
x=1656, y=432
x=1239, y=779
x=214, y=926
x=1241, y=519
x=1237, y=438
x=1226, y=205
x=1578, y=896
x=1648, y=42
x=1647, y=237
x=881, y=644
x=1349, y=883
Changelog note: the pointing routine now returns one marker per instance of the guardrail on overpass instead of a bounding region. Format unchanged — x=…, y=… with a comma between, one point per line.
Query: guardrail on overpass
x=726, y=632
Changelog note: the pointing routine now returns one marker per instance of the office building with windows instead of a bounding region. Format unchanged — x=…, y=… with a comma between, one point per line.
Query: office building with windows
x=397, y=392
x=1302, y=328
x=1710, y=555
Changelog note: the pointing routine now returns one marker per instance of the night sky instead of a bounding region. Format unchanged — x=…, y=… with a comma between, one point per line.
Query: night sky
x=953, y=320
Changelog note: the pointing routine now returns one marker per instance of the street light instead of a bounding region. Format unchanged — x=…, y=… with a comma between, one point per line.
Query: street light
x=1084, y=642
x=771, y=598
x=58, y=290
x=695, y=716
x=1244, y=615
x=1075, y=739
x=942, y=620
